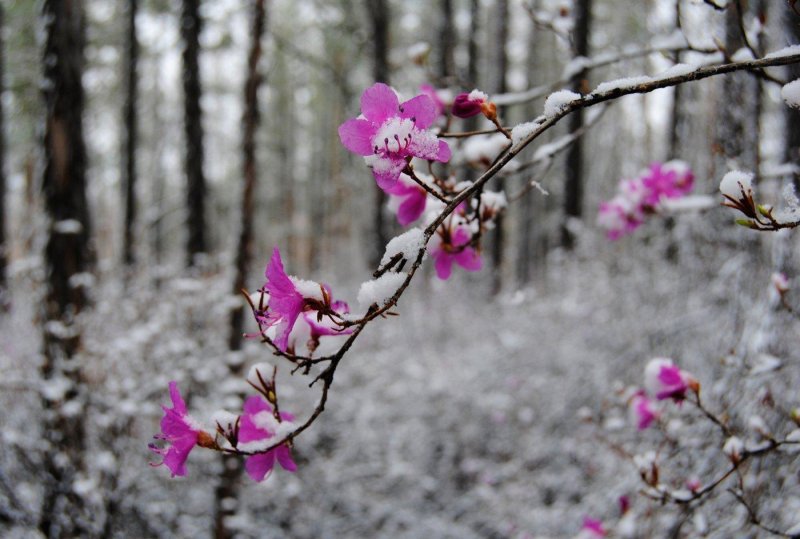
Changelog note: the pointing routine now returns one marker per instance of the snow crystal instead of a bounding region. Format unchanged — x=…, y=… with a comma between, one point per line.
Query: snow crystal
x=791, y=93
x=381, y=289
x=557, y=101
x=786, y=51
x=68, y=226
x=621, y=84
x=265, y=369
x=736, y=181
x=408, y=243
x=678, y=70
x=477, y=95
x=521, y=131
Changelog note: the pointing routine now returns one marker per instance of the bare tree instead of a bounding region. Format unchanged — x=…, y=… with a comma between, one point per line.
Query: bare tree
x=500, y=62
x=573, y=185
x=379, y=15
x=792, y=151
x=67, y=259
x=193, y=128
x=3, y=240
x=129, y=153
x=447, y=42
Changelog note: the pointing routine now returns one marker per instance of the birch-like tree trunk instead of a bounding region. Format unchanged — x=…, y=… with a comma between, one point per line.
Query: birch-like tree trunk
x=129, y=153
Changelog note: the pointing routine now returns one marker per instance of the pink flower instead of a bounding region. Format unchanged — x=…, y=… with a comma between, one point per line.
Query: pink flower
x=390, y=133
x=181, y=433
x=592, y=528
x=619, y=217
x=669, y=180
x=452, y=244
x=409, y=198
x=255, y=425
x=665, y=380
x=285, y=301
x=436, y=97
x=469, y=105
x=642, y=410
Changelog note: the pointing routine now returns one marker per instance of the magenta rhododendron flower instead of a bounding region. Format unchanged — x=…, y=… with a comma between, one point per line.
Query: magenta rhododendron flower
x=437, y=98
x=642, y=410
x=468, y=105
x=451, y=244
x=180, y=432
x=669, y=180
x=640, y=197
x=665, y=380
x=258, y=423
x=408, y=200
x=390, y=133
x=592, y=528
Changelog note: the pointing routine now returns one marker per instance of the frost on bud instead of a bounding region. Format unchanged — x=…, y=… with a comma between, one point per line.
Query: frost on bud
x=736, y=184
x=795, y=415
x=734, y=449
x=759, y=426
x=693, y=484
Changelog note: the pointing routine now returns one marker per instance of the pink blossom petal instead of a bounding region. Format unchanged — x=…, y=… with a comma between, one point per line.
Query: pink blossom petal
x=284, y=456
x=387, y=170
x=444, y=153
x=249, y=432
x=285, y=301
x=421, y=108
x=469, y=259
x=356, y=135
x=256, y=404
x=258, y=466
x=178, y=403
x=379, y=102
x=443, y=263
x=412, y=207
x=175, y=458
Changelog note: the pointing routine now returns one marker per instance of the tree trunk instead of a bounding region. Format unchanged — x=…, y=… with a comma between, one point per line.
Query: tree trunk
x=738, y=108
x=226, y=490
x=193, y=127
x=129, y=157
x=573, y=185
x=792, y=115
x=500, y=63
x=379, y=17
x=4, y=247
x=447, y=43
x=67, y=257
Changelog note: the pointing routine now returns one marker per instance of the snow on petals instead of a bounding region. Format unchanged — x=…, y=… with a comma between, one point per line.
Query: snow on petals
x=642, y=410
x=390, y=133
x=469, y=105
x=180, y=432
x=258, y=423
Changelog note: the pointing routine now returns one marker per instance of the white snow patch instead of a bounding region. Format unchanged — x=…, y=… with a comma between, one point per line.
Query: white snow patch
x=743, y=55
x=308, y=289
x=381, y=289
x=264, y=368
x=408, y=244
x=621, y=84
x=521, y=131
x=68, y=226
x=557, y=101
x=736, y=181
x=791, y=50
x=477, y=95
x=483, y=148
x=791, y=93
x=677, y=70
x=687, y=203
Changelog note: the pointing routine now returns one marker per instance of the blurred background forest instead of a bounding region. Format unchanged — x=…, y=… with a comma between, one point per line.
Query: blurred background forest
x=153, y=152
